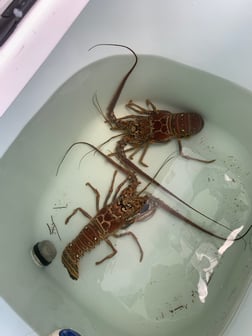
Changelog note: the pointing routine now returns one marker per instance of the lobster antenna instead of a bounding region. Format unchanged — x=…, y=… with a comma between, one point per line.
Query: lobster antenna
x=182, y=217
x=121, y=85
x=95, y=149
x=97, y=105
x=169, y=158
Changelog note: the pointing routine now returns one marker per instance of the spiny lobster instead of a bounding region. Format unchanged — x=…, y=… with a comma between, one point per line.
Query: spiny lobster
x=152, y=126
x=121, y=212
x=127, y=206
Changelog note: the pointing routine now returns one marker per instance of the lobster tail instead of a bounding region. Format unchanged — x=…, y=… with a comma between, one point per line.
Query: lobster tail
x=70, y=262
x=84, y=242
x=186, y=124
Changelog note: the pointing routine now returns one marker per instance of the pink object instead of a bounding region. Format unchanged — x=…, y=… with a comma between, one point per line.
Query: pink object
x=31, y=43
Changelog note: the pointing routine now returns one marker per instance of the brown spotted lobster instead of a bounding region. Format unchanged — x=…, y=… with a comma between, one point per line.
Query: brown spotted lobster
x=127, y=206
x=151, y=126
x=121, y=212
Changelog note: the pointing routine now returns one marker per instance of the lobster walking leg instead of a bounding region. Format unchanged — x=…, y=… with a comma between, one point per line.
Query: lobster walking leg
x=129, y=233
x=111, y=255
x=190, y=157
x=97, y=196
x=111, y=189
x=141, y=110
x=144, y=150
x=114, y=250
x=84, y=213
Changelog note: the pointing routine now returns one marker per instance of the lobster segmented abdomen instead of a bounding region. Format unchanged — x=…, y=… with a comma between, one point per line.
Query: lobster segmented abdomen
x=70, y=261
x=86, y=240
x=166, y=126
x=186, y=124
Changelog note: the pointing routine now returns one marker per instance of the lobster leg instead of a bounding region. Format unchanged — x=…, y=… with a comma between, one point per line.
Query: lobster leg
x=84, y=213
x=141, y=110
x=111, y=189
x=135, y=151
x=126, y=151
x=111, y=255
x=129, y=233
x=97, y=194
x=114, y=251
x=143, y=155
x=137, y=108
x=190, y=157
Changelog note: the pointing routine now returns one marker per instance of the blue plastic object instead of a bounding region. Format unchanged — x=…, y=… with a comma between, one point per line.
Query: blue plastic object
x=68, y=332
